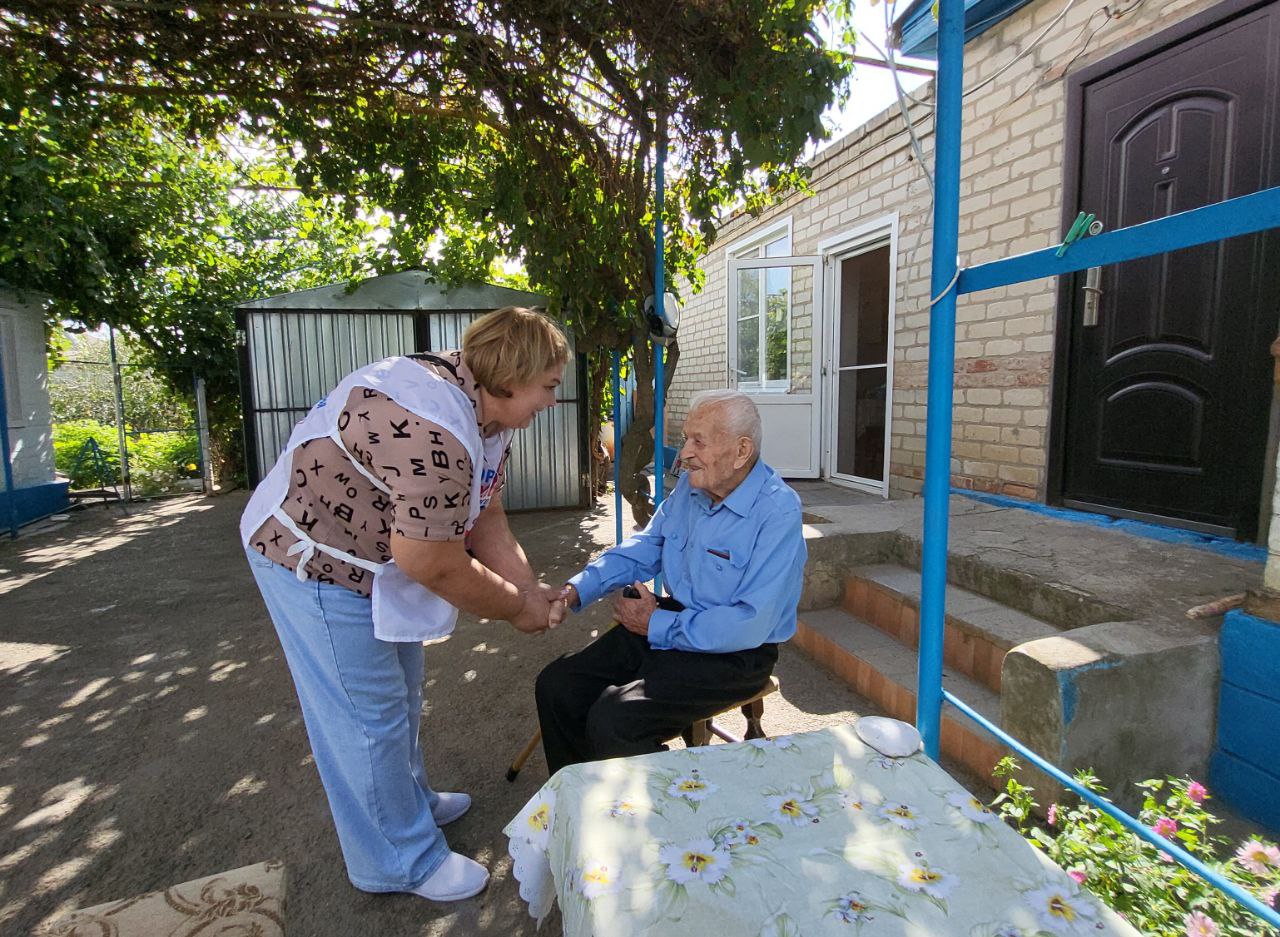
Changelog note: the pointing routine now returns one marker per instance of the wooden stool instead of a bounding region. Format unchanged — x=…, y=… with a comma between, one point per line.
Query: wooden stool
x=753, y=709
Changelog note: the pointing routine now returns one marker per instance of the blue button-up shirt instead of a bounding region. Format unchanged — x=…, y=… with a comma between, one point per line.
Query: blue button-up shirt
x=737, y=566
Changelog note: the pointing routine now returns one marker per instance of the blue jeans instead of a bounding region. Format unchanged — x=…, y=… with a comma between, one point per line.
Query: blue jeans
x=362, y=703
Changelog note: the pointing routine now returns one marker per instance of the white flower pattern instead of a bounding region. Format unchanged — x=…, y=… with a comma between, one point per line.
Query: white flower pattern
x=792, y=807
x=970, y=807
x=901, y=815
x=922, y=877
x=598, y=879
x=1061, y=909
x=698, y=861
x=692, y=788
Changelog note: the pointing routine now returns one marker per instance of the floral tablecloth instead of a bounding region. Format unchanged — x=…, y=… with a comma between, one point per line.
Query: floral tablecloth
x=790, y=837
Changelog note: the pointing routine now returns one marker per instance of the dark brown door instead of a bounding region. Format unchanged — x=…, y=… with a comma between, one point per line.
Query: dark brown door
x=1168, y=394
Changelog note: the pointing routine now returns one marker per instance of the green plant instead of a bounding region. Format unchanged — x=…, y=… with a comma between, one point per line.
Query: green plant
x=1155, y=894
x=69, y=439
x=157, y=461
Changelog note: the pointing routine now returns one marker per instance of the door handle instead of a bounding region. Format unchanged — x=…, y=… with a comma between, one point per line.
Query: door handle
x=1092, y=296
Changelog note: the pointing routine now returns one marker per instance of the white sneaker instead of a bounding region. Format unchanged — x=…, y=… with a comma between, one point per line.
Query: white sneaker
x=450, y=807
x=458, y=877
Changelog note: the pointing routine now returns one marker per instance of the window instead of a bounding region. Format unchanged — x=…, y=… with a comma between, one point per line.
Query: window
x=762, y=317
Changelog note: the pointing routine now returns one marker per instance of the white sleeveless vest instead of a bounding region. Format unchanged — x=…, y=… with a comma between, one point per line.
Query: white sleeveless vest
x=403, y=608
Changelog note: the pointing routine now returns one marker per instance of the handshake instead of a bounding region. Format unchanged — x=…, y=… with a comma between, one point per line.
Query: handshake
x=543, y=607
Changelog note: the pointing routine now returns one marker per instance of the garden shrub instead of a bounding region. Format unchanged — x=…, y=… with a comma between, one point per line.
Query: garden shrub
x=1154, y=893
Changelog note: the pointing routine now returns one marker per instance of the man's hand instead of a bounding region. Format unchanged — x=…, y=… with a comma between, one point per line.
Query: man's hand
x=570, y=596
x=556, y=598
x=634, y=614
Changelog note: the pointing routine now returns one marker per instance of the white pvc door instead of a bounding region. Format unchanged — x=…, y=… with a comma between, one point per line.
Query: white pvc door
x=775, y=308
x=861, y=377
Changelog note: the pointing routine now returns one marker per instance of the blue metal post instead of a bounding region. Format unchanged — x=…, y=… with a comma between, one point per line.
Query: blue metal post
x=617, y=450
x=659, y=351
x=942, y=335
x=10, y=494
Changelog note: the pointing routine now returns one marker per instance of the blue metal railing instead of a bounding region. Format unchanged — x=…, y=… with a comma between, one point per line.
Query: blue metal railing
x=1129, y=823
x=1243, y=215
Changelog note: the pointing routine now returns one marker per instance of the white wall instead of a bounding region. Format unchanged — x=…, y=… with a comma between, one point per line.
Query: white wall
x=26, y=386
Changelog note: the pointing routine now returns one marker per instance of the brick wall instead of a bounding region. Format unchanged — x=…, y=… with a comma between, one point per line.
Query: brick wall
x=1011, y=190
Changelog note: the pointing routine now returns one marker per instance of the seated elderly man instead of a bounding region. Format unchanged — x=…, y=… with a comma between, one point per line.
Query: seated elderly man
x=729, y=546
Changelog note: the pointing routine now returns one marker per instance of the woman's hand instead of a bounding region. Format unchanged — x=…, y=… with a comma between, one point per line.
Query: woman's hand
x=535, y=615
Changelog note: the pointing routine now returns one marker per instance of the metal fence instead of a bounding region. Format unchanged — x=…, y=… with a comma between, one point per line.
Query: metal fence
x=133, y=429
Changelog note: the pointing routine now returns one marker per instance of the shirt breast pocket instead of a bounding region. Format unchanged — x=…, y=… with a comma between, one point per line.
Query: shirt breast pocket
x=720, y=578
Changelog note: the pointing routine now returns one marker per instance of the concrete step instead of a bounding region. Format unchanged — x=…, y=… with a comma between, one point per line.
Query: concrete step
x=979, y=631
x=879, y=667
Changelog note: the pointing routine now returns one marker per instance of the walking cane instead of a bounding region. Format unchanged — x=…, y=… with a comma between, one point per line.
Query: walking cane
x=524, y=755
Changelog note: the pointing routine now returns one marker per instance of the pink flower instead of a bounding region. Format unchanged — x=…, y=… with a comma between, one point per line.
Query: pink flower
x=1200, y=924
x=1077, y=875
x=1166, y=827
x=1268, y=897
x=1197, y=792
x=1257, y=858
x=1053, y=815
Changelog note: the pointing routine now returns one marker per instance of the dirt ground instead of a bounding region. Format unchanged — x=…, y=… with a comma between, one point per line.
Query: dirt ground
x=149, y=732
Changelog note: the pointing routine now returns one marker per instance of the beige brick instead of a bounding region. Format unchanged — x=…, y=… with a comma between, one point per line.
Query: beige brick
x=985, y=330
x=980, y=469
x=985, y=396
x=1035, y=417
x=982, y=432
x=1018, y=473
x=1002, y=416
x=1002, y=346
x=1021, y=436
x=997, y=453
x=1025, y=325
x=1024, y=397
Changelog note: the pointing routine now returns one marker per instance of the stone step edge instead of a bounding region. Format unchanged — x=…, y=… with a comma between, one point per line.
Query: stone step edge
x=975, y=650
x=958, y=597
x=960, y=739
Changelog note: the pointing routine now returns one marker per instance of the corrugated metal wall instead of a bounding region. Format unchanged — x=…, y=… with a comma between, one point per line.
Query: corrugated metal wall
x=295, y=357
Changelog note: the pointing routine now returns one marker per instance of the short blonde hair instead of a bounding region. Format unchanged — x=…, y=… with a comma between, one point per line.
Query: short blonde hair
x=511, y=347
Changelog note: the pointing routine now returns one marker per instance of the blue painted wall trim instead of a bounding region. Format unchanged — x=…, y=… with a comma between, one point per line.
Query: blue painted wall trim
x=36, y=501
x=919, y=29
x=1245, y=768
x=1252, y=552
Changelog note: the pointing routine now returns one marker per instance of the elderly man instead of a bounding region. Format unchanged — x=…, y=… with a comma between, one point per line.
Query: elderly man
x=729, y=546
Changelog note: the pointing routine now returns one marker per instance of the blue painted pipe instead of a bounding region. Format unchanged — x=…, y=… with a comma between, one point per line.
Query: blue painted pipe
x=942, y=338
x=10, y=494
x=617, y=450
x=659, y=352
x=1223, y=885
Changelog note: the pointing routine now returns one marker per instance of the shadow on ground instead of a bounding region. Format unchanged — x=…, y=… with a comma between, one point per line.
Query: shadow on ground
x=150, y=735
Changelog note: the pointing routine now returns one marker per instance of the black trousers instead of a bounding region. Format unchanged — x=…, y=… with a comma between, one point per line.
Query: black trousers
x=618, y=696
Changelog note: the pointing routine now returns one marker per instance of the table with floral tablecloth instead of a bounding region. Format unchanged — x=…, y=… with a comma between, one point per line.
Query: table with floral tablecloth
x=795, y=836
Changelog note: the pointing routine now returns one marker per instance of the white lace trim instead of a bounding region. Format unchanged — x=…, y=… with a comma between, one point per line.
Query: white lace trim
x=532, y=869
